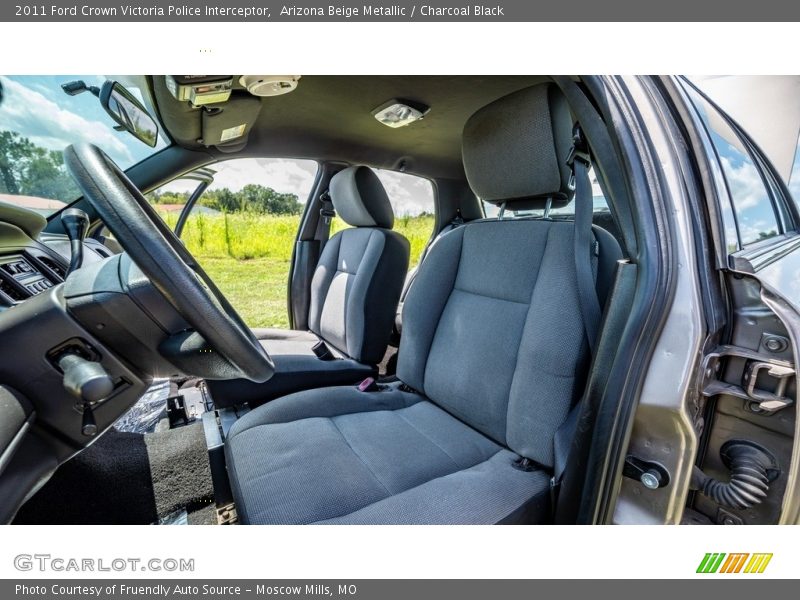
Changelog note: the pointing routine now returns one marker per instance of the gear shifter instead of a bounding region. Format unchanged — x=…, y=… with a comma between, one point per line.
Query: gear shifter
x=76, y=224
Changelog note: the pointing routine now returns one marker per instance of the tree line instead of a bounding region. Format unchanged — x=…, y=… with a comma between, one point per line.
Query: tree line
x=253, y=197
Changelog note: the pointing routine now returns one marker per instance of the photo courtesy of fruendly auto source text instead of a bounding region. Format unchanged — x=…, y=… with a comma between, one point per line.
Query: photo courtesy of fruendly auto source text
x=451, y=265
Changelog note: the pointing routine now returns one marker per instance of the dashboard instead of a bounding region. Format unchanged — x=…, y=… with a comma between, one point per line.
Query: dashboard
x=33, y=266
x=40, y=421
x=21, y=277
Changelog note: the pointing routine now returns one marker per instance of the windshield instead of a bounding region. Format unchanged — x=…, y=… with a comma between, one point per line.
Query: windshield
x=38, y=120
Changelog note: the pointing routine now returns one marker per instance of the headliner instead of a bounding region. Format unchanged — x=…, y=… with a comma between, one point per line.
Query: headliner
x=330, y=118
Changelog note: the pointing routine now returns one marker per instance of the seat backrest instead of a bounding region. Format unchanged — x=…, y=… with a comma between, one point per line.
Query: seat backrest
x=360, y=274
x=492, y=327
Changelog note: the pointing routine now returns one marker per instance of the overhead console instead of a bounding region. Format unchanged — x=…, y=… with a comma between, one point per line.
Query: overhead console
x=216, y=111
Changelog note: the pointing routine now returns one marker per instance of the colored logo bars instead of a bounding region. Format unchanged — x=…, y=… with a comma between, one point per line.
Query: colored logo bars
x=719, y=562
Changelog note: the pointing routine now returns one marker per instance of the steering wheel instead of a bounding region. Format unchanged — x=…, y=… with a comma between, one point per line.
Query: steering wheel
x=171, y=268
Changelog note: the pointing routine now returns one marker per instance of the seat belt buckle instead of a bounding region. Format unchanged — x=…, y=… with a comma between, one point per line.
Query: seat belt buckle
x=369, y=385
x=579, y=151
x=326, y=211
x=321, y=351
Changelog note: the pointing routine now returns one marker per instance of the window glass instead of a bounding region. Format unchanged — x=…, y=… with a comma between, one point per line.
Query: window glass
x=794, y=178
x=37, y=121
x=752, y=203
x=413, y=204
x=242, y=230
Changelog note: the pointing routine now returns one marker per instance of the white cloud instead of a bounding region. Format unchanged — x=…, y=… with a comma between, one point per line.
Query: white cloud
x=287, y=176
x=46, y=124
x=747, y=187
x=751, y=231
x=754, y=212
x=409, y=194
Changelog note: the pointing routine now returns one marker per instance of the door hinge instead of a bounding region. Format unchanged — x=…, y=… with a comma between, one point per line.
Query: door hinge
x=780, y=372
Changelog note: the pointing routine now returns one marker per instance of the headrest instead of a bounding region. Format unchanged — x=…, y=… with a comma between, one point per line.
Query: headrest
x=360, y=198
x=515, y=149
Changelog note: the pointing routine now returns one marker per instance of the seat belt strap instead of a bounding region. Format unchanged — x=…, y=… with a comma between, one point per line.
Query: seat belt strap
x=584, y=245
x=590, y=121
x=562, y=448
x=584, y=242
x=599, y=139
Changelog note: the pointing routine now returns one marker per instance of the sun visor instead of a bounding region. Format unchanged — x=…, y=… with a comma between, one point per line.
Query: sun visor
x=229, y=124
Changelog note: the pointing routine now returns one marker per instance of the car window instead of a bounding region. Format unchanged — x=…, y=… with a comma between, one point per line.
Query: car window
x=794, y=177
x=753, y=206
x=599, y=203
x=37, y=121
x=243, y=228
x=412, y=200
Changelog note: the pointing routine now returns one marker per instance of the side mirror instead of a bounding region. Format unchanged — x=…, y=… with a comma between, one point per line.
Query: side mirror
x=128, y=113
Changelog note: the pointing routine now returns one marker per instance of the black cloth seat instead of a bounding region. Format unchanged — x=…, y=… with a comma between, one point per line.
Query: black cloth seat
x=354, y=295
x=493, y=356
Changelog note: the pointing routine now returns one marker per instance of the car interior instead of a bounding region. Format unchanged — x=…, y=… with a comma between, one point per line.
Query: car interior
x=353, y=300
x=450, y=394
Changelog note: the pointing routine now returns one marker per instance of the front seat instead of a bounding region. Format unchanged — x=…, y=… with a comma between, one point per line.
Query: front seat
x=493, y=356
x=354, y=293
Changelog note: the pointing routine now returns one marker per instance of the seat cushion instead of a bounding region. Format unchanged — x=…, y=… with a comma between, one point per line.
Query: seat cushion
x=337, y=455
x=296, y=368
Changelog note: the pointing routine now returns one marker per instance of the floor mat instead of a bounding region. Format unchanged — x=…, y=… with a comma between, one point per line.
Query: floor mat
x=203, y=516
x=179, y=469
x=127, y=478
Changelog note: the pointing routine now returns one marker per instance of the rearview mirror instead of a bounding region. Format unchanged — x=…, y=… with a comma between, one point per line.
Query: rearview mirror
x=128, y=112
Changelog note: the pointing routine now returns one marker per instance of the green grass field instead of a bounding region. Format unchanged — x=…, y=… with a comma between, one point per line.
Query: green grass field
x=248, y=255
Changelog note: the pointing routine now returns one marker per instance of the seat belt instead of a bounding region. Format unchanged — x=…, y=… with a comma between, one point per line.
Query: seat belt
x=586, y=247
x=562, y=442
x=589, y=120
x=327, y=214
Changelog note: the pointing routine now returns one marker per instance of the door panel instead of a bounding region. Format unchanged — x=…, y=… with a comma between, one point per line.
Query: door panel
x=748, y=459
x=240, y=219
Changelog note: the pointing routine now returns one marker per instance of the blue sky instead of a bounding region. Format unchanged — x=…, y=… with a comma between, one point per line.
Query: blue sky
x=37, y=108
